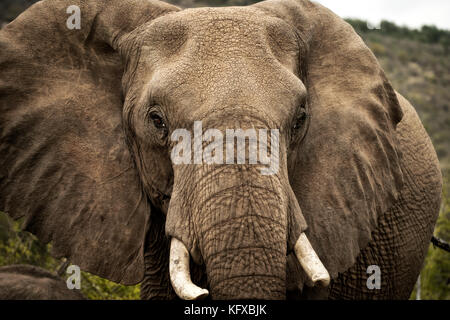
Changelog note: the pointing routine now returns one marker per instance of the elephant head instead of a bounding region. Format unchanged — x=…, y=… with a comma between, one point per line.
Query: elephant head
x=88, y=118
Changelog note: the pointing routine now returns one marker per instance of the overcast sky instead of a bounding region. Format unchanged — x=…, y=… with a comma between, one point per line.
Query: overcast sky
x=413, y=13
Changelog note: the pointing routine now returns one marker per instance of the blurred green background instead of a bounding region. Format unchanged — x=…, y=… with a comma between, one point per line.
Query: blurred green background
x=417, y=62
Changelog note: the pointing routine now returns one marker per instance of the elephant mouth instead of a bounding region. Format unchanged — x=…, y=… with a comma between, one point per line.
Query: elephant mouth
x=317, y=274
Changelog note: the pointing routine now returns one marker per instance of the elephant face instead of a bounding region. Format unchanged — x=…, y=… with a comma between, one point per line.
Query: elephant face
x=184, y=74
x=89, y=140
x=177, y=78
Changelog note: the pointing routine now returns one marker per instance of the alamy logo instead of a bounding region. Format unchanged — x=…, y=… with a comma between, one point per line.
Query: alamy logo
x=235, y=140
x=74, y=20
x=74, y=280
x=374, y=280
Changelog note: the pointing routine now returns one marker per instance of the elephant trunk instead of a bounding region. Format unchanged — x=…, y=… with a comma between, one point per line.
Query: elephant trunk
x=241, y=228
x=239, y=224
x=251, y=273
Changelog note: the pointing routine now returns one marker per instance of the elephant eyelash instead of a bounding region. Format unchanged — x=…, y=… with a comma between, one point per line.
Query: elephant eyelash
x=157, y=120
x=300, y=126
x=152, y=113
x=300, y=119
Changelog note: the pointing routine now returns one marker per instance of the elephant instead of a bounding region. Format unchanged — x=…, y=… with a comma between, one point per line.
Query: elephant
x=27, y=282
x=89, y=112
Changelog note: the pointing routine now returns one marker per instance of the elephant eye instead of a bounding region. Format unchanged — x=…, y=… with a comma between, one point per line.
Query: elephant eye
x=158, y=121
x=300, y=120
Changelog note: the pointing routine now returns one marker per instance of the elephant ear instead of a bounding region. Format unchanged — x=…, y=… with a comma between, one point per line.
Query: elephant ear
x=346, y=172
x=65, y=166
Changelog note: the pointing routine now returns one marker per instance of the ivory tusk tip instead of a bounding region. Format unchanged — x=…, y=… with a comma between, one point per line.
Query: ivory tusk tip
x=193, y=293
x=321, y=281
x=315, y=271
x=179, y=273
x=202, y=294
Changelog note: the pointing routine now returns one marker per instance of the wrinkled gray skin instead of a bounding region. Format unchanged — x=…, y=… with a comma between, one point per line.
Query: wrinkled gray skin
x=87, y=164
x=24, y=282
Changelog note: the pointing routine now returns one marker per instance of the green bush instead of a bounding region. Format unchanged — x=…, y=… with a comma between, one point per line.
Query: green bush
x=435, y=275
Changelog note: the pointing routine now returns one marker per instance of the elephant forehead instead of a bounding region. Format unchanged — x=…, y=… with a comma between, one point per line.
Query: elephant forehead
x=201, y=86
x=223, y=32
x=214, y=57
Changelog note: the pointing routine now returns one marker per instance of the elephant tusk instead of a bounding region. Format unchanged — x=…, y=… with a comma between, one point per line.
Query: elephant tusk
x=180, y=276
x=310, y=262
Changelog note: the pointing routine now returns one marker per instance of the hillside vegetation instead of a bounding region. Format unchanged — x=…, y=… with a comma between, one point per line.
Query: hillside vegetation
x=417, y=62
